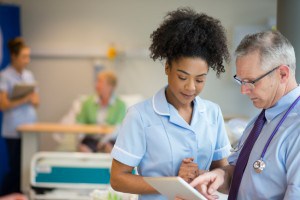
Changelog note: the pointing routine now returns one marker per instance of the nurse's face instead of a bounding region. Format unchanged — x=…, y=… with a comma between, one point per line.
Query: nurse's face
x=21, y=60
x=186, y=79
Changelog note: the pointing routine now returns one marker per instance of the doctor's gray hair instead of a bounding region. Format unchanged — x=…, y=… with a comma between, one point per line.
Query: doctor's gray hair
x=274, y=49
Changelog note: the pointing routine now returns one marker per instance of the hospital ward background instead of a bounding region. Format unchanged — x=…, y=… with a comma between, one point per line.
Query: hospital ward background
x=76, y=45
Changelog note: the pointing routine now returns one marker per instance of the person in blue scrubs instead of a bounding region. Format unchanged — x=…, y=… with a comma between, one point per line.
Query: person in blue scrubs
x=175, y=132
x=265, y=68
x=16, y=112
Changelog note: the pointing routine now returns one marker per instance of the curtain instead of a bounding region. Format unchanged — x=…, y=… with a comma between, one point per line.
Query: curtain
x=9, y=28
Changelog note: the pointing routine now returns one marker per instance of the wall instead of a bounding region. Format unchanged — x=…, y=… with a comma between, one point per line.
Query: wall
x=287, y=16
x=83, y=27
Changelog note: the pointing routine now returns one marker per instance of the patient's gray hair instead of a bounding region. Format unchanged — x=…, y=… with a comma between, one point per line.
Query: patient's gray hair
x=274, y=49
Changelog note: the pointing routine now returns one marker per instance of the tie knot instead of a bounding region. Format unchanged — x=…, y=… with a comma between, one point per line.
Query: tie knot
x=262, y=116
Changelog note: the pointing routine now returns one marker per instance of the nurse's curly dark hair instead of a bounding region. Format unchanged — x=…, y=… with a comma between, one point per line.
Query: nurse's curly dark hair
x=185, y=33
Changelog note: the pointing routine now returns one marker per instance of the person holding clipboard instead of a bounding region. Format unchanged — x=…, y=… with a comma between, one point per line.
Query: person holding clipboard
x=175, y=130
x=17, y=101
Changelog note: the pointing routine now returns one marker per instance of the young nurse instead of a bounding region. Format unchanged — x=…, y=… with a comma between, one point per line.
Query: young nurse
x=175, y=130
x=16, y=111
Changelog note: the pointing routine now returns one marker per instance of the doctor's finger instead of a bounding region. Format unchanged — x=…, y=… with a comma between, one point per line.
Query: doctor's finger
x=203, y=190
x=204, y=178
x=214, y=186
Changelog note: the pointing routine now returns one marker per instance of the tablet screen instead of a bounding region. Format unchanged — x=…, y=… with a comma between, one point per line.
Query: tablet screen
x=21, y=90
x=172, y=187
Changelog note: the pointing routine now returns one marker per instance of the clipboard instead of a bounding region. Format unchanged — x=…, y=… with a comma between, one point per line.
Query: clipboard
x=172, y=187
x=21, y=90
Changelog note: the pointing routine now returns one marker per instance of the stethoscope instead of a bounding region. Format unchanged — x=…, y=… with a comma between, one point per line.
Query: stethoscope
x=259, y=165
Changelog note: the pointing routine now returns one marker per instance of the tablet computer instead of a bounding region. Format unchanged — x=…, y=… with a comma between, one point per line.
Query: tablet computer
x=172, y=187
x=21, y=90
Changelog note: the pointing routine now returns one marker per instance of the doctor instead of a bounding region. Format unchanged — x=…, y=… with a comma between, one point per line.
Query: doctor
x=175, y=125
x=266, y=162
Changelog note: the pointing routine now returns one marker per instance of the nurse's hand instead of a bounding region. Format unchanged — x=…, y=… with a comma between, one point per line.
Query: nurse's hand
x=34, y=99
x=208, y=183
x=188, y=170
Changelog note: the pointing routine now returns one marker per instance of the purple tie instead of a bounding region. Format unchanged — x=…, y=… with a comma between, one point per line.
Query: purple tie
x=244, y=156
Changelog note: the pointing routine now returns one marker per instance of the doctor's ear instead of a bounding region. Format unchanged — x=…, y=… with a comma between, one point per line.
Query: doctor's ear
x=284, y=72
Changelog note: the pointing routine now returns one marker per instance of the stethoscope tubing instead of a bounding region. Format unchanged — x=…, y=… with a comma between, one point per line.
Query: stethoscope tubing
x=239, y=147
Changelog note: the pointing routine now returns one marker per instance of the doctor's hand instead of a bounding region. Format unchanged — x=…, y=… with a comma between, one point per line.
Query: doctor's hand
x=208, y=183
x=188, y=170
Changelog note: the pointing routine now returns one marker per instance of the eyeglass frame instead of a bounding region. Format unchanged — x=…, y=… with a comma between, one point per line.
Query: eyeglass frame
x=240, y=82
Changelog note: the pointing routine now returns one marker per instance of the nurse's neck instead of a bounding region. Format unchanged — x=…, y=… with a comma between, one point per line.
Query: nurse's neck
x=184, y=110
x=19, y=69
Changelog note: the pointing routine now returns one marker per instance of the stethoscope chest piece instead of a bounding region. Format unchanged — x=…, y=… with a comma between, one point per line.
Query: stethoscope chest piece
x=259, y=166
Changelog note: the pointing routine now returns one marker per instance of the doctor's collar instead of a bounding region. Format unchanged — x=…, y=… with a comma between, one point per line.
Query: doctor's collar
x=282, y=104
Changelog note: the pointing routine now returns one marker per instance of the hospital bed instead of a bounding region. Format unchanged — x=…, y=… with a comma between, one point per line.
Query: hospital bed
x=68, y=176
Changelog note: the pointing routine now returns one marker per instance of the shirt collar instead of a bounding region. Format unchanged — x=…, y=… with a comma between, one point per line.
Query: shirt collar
x=162, y=107
x=160, y=103
x=282, y=105
x=15, y=72
x=112, y=100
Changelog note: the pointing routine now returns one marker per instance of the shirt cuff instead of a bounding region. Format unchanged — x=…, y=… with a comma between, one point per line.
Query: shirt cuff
x=233, y=158
x=222, y=153
x=125, y=157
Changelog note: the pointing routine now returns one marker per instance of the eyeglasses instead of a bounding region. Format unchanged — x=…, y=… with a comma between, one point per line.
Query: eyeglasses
x=250, y=84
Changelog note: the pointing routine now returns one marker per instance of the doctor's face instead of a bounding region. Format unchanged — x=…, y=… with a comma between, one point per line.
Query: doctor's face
x=264, y=93
x=186, y=79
